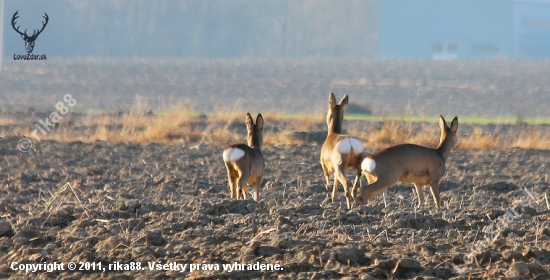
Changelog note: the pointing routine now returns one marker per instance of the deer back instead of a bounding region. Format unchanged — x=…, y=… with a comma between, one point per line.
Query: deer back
x=339, y=148
x=410, y=162
x=249, y=157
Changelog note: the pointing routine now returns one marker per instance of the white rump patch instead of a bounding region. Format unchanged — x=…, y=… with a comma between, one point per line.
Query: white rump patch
x=345, y=146
x=368, y=164
x=233, y=154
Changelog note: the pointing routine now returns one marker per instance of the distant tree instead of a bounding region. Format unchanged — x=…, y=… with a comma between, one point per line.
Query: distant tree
x=205, y=28
x=358, y=109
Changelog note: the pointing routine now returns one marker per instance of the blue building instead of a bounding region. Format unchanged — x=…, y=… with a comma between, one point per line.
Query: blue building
x=464, y=29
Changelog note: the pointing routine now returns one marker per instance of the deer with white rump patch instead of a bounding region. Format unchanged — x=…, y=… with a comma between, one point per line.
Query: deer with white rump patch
x=340, y=152
x=245, y=163
x=409, y=163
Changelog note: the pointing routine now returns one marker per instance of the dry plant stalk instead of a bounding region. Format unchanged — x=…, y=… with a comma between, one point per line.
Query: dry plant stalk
x=260, y=234
x=532, y=138
x=179, y=125
x=480, y=140
x=396, y=132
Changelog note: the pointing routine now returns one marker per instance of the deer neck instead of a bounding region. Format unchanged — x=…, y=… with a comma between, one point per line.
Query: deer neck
x=445, y=146
x=335, y=122
x=255, y=140
x=335, y=127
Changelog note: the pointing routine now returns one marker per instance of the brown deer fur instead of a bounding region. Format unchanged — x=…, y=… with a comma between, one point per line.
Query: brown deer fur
x=409, y=163
x=340, y=152
x=245, y=163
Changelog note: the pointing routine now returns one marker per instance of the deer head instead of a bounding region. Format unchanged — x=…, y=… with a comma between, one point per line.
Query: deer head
x=29, y=40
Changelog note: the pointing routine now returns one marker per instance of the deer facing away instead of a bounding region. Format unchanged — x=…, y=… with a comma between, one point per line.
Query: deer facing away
x=340, y=152
x=245, y=163
x=409, y=163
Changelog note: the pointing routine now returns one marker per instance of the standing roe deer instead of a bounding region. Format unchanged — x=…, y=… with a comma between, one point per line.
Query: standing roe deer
x=245, y=163
x=409, y=163
x=340, y=152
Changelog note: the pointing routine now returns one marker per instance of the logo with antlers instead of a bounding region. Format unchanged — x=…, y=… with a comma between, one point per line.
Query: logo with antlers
x=29, y=40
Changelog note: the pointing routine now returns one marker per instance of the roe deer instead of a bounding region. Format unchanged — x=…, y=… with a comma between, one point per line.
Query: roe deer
x=340, y=152
x=409, y=163
x=245, y=163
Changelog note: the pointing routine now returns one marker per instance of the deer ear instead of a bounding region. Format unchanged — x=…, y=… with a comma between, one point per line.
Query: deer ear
x=249, y=122
x=260, y=122
x=331, y=101
x=344, y=100
x=454, y=125
x=442, y=123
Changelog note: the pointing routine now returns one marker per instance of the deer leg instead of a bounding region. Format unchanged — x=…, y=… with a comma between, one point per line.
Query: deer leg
x=434, y=188
x=371, y=190
x=370, y=178
x=231, y=177
x=420, y=195
x=335, y=188
x=356, y=183
x=244, y=189
x=257, y=190
x=340, y=176
x=241, y=184
x=327, y=176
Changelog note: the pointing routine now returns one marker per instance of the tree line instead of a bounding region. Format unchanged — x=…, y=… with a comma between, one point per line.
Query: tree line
x=198, y=28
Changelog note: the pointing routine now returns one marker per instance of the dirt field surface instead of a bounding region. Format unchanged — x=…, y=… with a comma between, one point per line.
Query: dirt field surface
x=134, y=205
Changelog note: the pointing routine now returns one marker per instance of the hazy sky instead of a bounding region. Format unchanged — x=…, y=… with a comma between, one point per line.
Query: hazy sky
x=196, y=28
